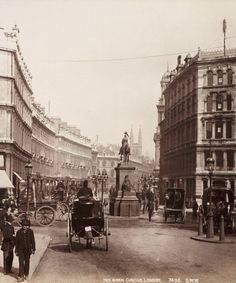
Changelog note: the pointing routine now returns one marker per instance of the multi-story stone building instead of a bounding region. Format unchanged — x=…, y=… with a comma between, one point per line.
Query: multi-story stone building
x=57, y=151
x=199, y=121
x=15, y=107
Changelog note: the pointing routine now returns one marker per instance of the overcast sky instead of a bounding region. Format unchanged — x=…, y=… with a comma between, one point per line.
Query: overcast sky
x=100, y=63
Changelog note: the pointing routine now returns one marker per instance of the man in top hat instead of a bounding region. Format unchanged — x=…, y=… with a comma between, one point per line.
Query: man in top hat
x=7, y=244
x=25, y=246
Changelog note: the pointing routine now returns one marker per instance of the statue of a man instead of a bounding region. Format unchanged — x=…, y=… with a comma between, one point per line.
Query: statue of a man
x=125, y=140
x=125, y=149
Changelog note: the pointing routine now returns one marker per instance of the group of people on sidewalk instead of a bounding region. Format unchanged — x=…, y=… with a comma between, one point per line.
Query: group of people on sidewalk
x=24, y=244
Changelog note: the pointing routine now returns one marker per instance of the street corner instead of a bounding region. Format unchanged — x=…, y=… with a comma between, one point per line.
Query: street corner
x=215, y=240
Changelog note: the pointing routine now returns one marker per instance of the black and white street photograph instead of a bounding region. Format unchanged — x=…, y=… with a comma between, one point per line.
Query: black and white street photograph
x=118, y=141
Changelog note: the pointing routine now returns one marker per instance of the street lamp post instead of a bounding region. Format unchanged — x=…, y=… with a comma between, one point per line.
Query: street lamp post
x=210, y=225
x=28, y=167
x=100, y=178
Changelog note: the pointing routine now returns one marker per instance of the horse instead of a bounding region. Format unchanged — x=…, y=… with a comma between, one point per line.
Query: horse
x=125, y=152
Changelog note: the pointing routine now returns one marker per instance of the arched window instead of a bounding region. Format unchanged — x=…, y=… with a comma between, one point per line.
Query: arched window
x=229, y=76
x=220, y=77
x=209, y=103
x=219, y=102
x=210, y=78
x=219, y=129
x=229, y=102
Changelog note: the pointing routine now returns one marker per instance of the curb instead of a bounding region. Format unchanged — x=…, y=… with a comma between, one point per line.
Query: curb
x=40, y=250
x=211, y=240
x=42, y=242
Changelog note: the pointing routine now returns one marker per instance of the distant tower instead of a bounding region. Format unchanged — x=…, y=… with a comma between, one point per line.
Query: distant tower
x=131, y=137
x=139, y=142
x=136, y=148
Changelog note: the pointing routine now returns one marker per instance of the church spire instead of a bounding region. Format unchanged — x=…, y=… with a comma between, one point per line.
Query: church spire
x=131, y=136
x=140, y=137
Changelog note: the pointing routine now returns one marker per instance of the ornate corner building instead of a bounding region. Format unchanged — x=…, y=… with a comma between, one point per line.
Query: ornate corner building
x=196, y=119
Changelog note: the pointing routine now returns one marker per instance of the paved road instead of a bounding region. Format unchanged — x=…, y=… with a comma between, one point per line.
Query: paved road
x=139, y=251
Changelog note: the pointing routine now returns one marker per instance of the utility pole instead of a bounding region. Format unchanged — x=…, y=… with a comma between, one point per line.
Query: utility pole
x=224, y=31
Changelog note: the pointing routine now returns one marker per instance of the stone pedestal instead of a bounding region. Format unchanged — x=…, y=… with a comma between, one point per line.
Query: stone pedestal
x=125, y=203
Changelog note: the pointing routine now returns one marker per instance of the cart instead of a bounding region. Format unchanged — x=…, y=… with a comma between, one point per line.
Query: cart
x=43, y=212
x=86, y=221
x=175, y=204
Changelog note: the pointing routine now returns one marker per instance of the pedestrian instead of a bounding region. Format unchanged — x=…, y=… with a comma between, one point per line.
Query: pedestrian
x=150, y=202
x=195, y=209
x=25, y=246
x=8, y=244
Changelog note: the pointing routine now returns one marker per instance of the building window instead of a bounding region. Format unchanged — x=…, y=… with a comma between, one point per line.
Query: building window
x=219, y=129
x=2, y=161
x=220, y=77
x=208, y=130
x=209, y=103
x=210, y=78
x=207, y=154
x=219, y=102
x=230, y=77
x=229, y=102
x=219, y=158
x=228, y=129
x=230, y=159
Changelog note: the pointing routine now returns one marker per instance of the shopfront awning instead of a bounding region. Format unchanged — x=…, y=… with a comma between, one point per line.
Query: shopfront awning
x=18, y=176
x=5, y=182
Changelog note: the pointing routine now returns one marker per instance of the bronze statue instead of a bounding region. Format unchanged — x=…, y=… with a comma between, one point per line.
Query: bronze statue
x=125, y=149
x=126, y=186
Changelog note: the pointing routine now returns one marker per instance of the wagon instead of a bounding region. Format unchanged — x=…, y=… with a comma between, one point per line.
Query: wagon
x=175, y=204
x=43, y=212
x=86, y=222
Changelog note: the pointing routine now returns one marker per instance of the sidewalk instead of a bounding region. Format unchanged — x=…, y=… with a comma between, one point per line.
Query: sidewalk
x=42, y=242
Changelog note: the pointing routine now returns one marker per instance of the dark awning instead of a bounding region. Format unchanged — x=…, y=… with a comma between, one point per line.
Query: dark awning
x=5, y=182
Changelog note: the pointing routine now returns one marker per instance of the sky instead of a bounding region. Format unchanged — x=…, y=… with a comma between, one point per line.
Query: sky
x=99, y=63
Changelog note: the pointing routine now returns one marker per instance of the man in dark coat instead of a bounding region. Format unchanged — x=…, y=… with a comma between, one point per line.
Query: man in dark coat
x=85, y=191
x=7, y=244
x=25, y=246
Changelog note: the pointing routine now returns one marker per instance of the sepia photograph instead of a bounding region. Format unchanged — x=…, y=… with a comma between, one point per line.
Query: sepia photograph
x=118, y=141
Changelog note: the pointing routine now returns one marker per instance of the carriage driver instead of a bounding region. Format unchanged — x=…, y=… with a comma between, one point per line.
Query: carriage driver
x=85, y=191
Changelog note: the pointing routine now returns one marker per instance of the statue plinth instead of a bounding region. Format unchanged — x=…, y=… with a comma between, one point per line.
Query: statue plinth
x=125, y=203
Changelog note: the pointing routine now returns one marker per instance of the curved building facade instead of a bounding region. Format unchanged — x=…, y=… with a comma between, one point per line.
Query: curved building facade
x=57, y=151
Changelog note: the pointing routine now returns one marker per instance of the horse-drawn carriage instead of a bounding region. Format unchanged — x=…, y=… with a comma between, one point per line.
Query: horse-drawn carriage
x=222, y=202
x=27, y=204
x=175, y=204
x=87, y=221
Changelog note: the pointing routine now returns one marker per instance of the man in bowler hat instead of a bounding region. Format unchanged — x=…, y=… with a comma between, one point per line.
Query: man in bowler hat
x=7, y=244
x=25, y=246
